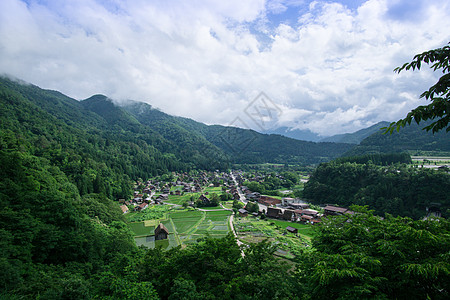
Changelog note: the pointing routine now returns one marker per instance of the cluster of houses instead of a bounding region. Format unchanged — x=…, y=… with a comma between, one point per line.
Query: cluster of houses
x=185, y=183
x=300, y=212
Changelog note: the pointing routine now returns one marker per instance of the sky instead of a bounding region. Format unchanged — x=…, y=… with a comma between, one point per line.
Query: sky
x=323, y=66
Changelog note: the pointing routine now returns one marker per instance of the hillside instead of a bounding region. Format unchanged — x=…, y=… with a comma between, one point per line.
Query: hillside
x=412, y=139
x=240, y=145
x=298, y=134
x=355, y=137
x=135, y=140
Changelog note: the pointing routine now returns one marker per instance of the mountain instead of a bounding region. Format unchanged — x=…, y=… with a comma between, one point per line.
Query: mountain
x=412, y=139
x=355, y=137
x=302, y=135
x=240, y=145
x=159, y=142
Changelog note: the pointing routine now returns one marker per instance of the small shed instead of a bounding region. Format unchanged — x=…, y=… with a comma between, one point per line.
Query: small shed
x=243, y=212
x=292, y=229
x=161, y=232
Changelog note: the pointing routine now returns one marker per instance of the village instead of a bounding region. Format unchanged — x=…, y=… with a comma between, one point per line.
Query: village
x=180, y=208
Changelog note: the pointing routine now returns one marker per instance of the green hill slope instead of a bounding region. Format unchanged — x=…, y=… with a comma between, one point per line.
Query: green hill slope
x=411, y=139
x=355, y=137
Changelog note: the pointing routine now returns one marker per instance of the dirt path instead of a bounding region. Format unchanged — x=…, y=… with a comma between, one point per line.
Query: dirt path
x=230, y=219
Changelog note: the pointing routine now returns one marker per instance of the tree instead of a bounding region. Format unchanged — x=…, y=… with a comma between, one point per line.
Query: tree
x=438, y=94
x=364, y=256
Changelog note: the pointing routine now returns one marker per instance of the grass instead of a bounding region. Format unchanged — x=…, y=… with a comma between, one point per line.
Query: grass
x=217, y=190
x=153, y=212
x=218, y=213
x=185, y=226
x=140, y=229
x=212, y=208
x=186, y=214
x=305, y=230
x=253, y=230
x=180, y=199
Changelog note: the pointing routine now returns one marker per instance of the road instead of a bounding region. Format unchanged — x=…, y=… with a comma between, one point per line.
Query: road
x=238, y=242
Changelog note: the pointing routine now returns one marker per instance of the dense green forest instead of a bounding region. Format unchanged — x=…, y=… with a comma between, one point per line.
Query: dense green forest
x=396, y=188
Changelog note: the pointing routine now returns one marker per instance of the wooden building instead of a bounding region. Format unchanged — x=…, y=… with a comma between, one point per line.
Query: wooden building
x=292, y=229
x=161, y=232
x=243, y=212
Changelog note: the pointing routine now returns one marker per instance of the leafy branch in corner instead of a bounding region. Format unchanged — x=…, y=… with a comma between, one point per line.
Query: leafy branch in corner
x=438, y=94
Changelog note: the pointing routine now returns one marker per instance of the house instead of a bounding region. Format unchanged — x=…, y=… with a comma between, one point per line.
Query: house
x=292, y=230
x=161, y=232
x=310, y=212
x=299, y=205
x=253, y=196
x=273, y=212
x=331, y=210
x=286, y=201
x=205, y=200
x=141, y=206
x=306, y=218
x=124, y=208
x=163, y=197
x=243, y=212
x=288, y=214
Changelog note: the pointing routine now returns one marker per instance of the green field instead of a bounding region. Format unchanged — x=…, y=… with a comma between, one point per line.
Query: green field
x=217, y=190
x=139, y=229
x=174, y=199
x=306, y=230
x=184, y=227
x=253, y=230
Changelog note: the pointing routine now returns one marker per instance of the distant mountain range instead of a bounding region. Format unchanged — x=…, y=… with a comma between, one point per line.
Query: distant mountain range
x=308, y=135
x=356, y=137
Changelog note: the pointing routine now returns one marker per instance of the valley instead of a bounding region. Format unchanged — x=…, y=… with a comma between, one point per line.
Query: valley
x=124, y=201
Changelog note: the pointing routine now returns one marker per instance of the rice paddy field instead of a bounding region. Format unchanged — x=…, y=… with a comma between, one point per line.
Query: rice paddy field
x=253, y=230
x=184, y=226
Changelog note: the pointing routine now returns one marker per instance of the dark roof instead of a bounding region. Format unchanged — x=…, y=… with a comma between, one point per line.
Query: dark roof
x=291, y=229
x=335, y=209
x=161, y=228
x=271, y=211
x=243, y=211
x=310, y=212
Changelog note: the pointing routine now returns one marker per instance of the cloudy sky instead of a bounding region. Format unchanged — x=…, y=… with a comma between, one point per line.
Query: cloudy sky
x=320, y=65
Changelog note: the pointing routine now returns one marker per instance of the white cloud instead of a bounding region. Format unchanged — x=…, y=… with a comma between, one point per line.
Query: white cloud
x=331, y=72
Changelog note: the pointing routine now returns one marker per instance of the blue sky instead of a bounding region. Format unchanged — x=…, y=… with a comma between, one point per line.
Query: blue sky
x=325, y=65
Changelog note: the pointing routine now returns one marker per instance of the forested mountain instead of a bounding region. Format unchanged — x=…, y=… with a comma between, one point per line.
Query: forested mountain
x=355, y=137
x=298, y=134
x=240, y=145
x=412, y=139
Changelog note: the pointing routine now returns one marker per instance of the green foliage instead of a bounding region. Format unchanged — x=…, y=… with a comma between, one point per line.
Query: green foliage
x=252, y=207
x=46, y=227
x=215, y=269
x=396, y=189
x=378, y=159
x=438, y=94
x=237, y=204
x=364, y=256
